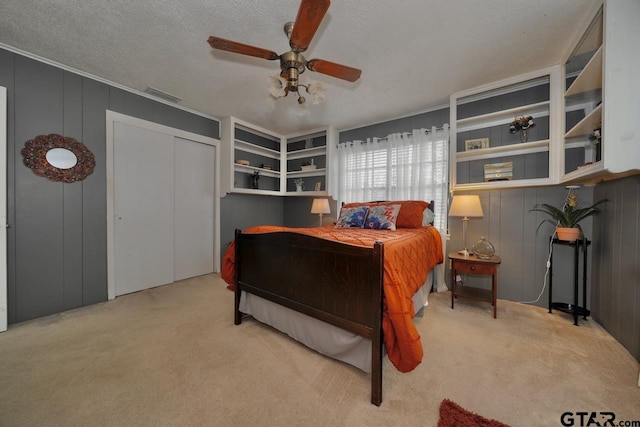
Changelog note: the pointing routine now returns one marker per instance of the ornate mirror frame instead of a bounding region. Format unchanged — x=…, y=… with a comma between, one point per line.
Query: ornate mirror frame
x=35, y=151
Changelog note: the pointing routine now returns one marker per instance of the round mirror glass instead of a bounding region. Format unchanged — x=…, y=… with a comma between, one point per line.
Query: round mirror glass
x=61, y=158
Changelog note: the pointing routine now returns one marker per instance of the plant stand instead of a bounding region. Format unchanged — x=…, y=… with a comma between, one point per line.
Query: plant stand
x=574, y=308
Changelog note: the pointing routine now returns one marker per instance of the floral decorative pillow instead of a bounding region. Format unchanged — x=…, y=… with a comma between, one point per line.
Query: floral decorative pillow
x=352, y=217
x=382, y=217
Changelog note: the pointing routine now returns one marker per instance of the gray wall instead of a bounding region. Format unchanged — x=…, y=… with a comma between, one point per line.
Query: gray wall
x=242, y=211
x=57, y=232
x=406, y=124
x=510, y=226
x=616, y=267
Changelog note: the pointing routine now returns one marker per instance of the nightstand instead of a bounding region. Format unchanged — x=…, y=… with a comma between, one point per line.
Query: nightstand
x=473, y=265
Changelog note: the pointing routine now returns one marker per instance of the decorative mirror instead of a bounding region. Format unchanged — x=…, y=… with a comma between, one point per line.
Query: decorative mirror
x=58, y=158
x=61, y=158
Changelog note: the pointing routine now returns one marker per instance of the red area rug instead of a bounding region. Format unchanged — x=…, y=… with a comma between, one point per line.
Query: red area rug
x=454, y=415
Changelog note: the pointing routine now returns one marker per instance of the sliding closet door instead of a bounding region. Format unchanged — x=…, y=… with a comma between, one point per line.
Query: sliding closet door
x=164, y=200
x=143, y=208
x=194, y=202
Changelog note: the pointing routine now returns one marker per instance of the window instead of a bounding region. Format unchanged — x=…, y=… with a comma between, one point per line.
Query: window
x=407, y=166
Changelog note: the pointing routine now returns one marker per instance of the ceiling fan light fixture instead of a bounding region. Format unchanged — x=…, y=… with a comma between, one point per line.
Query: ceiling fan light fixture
x=316, y=90
x=277, y=86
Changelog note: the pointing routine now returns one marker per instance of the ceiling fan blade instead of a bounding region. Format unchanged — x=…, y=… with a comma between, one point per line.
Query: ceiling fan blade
x=332, y=69
x=244, y=49
x=310, y=15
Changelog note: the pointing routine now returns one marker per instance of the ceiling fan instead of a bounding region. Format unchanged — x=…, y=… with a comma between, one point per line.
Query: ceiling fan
x=293, y=63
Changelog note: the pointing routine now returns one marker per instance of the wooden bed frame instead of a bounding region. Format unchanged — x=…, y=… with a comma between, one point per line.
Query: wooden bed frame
x=334, y=282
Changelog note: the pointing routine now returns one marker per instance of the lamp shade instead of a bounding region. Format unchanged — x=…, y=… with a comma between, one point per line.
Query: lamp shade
x=320, y=206
x=467, y=206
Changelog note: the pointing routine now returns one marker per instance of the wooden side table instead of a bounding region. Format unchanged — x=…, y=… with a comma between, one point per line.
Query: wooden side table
x=473, y=265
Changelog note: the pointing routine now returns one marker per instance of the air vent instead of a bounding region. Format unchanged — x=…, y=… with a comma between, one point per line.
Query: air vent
x=162, y=95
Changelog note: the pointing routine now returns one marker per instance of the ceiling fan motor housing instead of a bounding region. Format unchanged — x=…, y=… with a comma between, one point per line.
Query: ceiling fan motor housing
x=292, y=64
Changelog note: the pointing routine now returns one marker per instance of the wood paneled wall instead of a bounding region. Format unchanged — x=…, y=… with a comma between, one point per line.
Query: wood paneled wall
x=616, y=269
x=510, y=226
x=57, y=248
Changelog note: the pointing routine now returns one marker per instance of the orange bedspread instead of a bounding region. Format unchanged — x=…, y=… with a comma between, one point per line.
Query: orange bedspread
x=409, y=254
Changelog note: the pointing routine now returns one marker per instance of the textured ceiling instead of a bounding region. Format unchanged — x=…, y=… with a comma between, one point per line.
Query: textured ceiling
x=413, y=53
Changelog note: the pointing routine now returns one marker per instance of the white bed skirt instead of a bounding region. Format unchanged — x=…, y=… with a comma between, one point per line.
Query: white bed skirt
x=327, y=339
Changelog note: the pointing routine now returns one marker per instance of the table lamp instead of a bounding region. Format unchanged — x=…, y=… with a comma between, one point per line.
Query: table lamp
x=465, y=206
x=320, y=206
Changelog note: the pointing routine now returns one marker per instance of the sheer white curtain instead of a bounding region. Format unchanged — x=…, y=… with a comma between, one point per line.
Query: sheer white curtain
x=403, y=166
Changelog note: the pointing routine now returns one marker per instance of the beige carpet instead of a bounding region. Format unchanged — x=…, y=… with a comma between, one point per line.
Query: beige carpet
x=171, y=356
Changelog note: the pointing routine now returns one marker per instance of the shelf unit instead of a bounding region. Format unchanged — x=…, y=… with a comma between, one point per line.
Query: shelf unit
x=243, y=141
x=313, y=146
x=583, y=103
x=486, y=112
x=602, y=89
x=283, y=156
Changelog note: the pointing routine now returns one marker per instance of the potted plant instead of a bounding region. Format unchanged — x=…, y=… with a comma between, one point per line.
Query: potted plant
x=567, y=220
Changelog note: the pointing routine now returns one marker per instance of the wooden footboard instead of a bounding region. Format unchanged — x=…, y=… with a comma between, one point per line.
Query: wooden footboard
x=337, y=283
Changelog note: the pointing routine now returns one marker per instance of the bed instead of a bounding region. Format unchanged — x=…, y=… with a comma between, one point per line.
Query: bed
x=341, y=291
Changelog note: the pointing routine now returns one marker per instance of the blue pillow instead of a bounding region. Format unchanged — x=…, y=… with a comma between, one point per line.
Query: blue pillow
x=352, y=217
x=382, y=217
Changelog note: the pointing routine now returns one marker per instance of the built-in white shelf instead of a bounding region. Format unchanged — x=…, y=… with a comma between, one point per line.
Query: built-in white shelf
x=539, y=109
x=505, y=150
x=585, y=126
x=590, y=78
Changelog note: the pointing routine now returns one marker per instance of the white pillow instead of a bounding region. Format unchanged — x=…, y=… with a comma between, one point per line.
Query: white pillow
x=427, y=217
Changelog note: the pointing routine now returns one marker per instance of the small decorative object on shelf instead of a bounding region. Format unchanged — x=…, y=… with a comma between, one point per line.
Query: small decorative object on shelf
x=475, y=144
x=569, y=216
x=498, y=171
x=522, y=124
x=483, y=249
x=596, y=135
x=596, y=138
x=299, y=184
x=254, y=179
x=308, y=166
